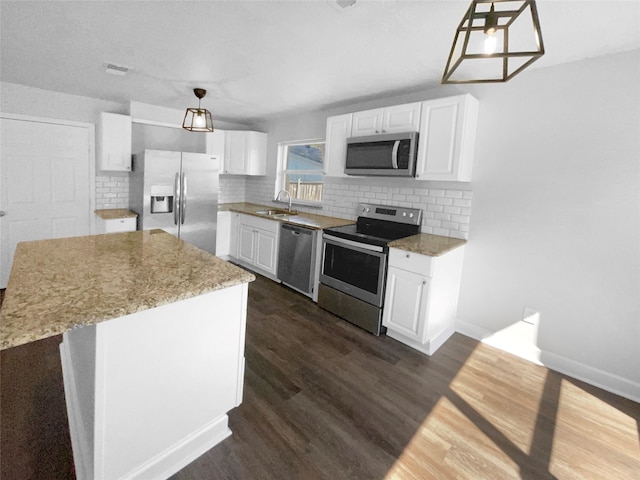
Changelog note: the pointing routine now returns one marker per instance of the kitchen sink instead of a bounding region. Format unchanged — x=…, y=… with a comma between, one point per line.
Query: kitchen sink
x=277, y=213
x=272, y=212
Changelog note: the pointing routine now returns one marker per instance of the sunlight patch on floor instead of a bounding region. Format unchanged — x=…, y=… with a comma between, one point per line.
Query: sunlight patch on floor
x=438, y=451
x=617, y=432
x=519, y=338
x=513, y=409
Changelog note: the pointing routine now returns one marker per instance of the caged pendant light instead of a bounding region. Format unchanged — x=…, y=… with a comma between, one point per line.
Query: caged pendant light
x=495, y=41
x=198, y=119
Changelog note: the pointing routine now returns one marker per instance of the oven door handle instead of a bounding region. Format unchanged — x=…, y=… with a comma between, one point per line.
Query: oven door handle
x=351, y=243
x=394, y=154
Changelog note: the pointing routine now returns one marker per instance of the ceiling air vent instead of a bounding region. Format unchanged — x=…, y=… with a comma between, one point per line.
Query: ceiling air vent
x=114, y=69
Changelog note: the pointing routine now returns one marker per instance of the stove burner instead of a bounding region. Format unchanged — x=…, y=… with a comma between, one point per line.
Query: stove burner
x=379, y=225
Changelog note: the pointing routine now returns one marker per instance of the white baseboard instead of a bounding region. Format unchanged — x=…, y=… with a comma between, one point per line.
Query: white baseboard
x=591, y=375
x=79, y=441
x=428, y=348
x=436, y=342
x=182, y=453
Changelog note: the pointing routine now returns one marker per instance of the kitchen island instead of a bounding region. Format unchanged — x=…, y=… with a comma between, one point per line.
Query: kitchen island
x=153, y=344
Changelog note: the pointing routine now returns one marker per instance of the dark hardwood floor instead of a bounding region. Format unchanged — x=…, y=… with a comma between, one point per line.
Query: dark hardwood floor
x=326, y=400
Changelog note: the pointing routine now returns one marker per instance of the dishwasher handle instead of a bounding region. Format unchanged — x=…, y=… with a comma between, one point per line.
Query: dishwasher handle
x=295, y=230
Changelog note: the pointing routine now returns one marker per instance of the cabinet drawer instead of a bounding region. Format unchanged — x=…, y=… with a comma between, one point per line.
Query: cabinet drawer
x=412, y=262
x=262, y=223
x=114, y=225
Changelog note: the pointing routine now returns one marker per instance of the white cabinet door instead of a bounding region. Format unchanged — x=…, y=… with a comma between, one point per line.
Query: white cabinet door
x=367, y=122
x=266, y=251
x=245, y=153
x=114, y=142
x=395, y=119
x=406, y=303
x=235, y=153
x=233, y=240
x=215, y=145
x=246, y=243
x=335, y=153
x=447, y=139
x=223, y=234
x=258, y=243
x=256, y=153
x=401, y=118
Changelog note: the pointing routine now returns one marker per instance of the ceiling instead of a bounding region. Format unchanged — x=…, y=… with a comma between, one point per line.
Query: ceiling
x=260, y=59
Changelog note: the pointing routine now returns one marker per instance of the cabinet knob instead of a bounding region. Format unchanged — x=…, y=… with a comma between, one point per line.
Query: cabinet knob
x=408, y=255
x=2, y=213
x=424, y=282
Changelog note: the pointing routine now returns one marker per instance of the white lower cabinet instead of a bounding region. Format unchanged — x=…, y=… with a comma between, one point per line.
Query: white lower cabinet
x=223, y=234
x=257, y=243
x=422, y=297
x=115, y=225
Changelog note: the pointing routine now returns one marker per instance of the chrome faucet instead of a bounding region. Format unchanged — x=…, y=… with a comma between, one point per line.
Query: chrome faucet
x=288, y=195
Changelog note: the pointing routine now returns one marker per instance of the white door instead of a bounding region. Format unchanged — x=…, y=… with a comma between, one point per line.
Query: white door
x=44, y=184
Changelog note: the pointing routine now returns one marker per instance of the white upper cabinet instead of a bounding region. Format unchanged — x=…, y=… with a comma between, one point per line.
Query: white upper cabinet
x=215, y=144
x=245, y=153
x=114, y=142
x=398, y=118
x=447, y=139
x=335, y=150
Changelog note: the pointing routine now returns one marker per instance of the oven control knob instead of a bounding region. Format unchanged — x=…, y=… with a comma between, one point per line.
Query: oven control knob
x=411, y=215
x=404, y=214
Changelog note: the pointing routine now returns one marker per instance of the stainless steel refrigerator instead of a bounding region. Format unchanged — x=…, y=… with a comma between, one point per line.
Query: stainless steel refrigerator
x=177, y=192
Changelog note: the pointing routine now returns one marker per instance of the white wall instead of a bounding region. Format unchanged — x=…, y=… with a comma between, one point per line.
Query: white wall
x=111, y=188
x=555, y=220
x=556, y=216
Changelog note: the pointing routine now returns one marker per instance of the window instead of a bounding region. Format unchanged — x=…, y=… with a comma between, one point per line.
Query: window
x=303, y=170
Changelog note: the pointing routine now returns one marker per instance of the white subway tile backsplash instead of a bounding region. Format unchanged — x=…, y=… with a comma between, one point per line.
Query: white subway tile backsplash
x=446, y=211
x=112, y=191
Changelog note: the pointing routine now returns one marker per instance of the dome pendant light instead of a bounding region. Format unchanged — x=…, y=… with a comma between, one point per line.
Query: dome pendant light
x=198, y=119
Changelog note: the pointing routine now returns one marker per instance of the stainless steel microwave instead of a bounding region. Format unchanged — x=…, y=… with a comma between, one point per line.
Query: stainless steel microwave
x=389, y=155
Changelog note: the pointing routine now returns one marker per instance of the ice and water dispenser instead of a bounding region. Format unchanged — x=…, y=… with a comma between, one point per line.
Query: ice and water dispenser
x=161, y=198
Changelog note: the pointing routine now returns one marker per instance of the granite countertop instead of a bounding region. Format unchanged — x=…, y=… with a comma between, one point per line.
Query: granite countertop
x=111, y=213
x=309, y=220
x=427, y=244
x=56, y=285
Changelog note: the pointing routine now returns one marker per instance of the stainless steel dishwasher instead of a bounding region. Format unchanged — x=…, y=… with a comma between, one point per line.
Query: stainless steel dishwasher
x=296, y=257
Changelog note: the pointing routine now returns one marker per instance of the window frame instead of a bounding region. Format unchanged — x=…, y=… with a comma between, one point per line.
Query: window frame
x=283, y=149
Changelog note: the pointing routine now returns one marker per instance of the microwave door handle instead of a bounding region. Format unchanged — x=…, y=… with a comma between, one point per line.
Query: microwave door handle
x=394, y=154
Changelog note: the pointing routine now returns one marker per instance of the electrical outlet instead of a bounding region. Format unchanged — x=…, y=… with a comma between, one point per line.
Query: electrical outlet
x=530, y=315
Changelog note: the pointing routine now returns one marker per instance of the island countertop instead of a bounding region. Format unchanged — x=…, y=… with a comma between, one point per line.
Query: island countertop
x=59, y=284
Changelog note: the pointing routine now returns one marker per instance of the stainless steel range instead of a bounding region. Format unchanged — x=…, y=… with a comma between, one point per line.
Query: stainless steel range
x=354, y=263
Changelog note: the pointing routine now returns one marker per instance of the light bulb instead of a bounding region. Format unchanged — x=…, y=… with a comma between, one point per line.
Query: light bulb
x=199, y=120
x=490, y=44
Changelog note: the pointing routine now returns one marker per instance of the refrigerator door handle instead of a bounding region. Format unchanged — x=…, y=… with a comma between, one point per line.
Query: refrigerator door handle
x=183, y=198
x=176, y=198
